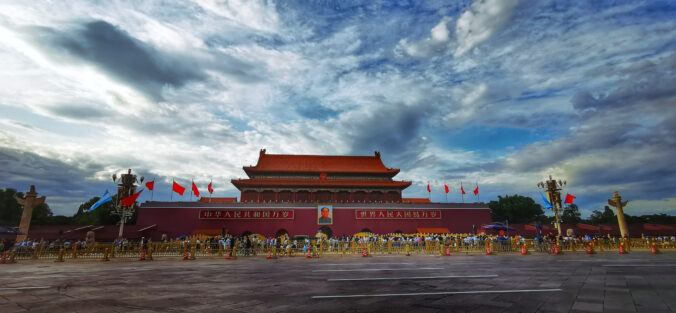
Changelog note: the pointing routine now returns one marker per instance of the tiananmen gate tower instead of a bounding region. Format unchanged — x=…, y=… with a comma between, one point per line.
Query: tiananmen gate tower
x=304, y=194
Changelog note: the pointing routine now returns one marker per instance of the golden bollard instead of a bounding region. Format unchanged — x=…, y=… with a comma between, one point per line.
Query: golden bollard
x=234, y=251
x=112, y=250
x=12, y=255
x=441, y=250
x=35, y=253
x=628, y=243
x=408, y=249
x=105, y=255
x=274, y=252
x=59, y=258
x=192, y=253
x=389, y=246
x=344, y=248
x=149, y=255
x=220, y=249
x=74, y=251
x=598, y=240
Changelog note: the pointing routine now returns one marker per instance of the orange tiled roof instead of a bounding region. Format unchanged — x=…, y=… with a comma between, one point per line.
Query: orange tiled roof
x=415, y=200
x=218, y=200
x=318, y=183
x=319, y=164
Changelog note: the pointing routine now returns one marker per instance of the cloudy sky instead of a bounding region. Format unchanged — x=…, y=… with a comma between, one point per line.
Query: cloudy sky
x=499, y=92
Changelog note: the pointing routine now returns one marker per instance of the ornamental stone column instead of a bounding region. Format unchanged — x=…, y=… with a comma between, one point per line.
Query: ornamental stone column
x=618, y=204
x=29, y=203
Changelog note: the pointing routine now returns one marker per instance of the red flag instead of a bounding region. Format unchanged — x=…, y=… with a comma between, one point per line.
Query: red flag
x=150, y=185
x=446, y=188
x=569, y=198
x=129, y=201
x=462, y=189
x=178, y=188
x=211, y=190
x=476, y=190
x=195, y=190
x=428, y=188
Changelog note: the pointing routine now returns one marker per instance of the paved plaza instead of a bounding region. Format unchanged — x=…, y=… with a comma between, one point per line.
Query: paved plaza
x=606, y=282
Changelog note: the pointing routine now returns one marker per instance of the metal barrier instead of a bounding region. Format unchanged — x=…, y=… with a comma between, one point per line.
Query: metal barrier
x=214, y=249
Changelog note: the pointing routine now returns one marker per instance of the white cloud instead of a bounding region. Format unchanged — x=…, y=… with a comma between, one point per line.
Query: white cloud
x=481, y=20
x=258, y=15
x=436, y=43
x=640, y=207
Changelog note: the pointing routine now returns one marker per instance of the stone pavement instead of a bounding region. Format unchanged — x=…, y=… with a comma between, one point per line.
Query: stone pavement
x=574, y=282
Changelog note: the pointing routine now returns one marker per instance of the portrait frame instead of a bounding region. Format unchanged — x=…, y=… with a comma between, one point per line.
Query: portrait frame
x=324, y=220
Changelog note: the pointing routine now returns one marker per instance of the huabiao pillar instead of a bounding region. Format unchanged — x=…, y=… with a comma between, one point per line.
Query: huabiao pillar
x=618, y=204
x=30, y=202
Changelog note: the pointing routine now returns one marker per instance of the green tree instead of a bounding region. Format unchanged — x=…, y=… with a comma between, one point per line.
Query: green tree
x=42, y=214
x=516, y=209
x=103, y=215
x=10, y=209
x=605, y=217
x=571, y=214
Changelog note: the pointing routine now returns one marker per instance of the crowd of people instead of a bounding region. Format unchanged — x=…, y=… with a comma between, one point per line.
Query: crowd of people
x=248, y=244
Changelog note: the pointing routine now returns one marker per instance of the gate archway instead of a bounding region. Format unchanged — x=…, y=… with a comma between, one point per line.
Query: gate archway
x=326, y=231
x=281, y=232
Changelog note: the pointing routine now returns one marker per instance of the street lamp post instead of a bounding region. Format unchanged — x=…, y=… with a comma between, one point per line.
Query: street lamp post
x=553, y=190
x=126, y=187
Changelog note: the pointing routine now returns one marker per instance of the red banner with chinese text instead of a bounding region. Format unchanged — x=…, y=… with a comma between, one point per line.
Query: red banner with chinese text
x=398, y=214
x=246, y=214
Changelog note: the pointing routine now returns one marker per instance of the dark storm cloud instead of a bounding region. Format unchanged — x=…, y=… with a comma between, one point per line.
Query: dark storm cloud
x=645, y=81
x=121, y=55
x=79, y=112
x=391, y=129
x=64, y=185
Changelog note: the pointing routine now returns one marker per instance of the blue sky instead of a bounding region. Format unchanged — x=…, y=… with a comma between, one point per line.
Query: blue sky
x=502, y=93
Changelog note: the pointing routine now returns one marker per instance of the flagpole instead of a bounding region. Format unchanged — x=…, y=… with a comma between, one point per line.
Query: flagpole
x=477, y=191
x=462, y=192
x=191, y=191
x=172, y=189
x=152, y=192
x=211, y=180
x=429, y=191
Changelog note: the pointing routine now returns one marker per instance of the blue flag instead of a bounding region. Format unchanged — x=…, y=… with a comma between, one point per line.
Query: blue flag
x=104, y=198
x=547, y=204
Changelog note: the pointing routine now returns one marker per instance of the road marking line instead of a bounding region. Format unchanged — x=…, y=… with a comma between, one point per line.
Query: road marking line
x=362, y=264
x=21, y=288
x=436, y=293
x=384, y=269
x=418, y=277
x=632, y=265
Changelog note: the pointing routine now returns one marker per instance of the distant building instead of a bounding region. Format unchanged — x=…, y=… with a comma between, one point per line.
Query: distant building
x=302, y=194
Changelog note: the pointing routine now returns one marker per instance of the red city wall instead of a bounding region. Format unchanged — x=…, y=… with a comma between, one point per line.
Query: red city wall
x=180, y=221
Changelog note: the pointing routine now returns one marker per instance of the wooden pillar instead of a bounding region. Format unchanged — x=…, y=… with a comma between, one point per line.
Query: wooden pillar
x=259, y=195
x=293, y=195
x=276, y=196
x=351, y=196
